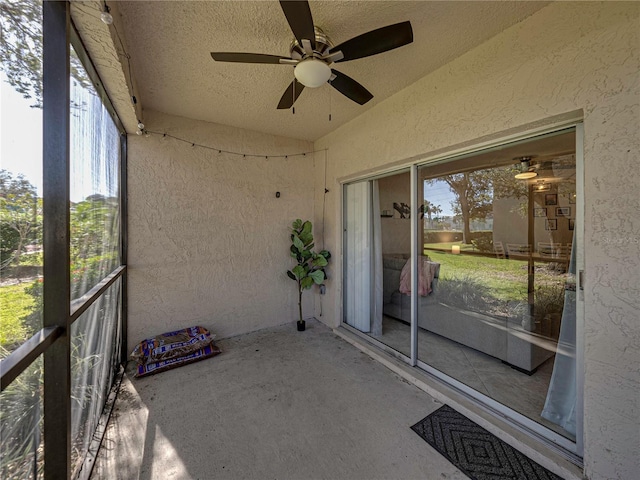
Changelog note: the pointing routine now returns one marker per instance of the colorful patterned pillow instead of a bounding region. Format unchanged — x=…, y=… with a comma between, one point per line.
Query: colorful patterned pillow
x=150, y=368
x=172, y=345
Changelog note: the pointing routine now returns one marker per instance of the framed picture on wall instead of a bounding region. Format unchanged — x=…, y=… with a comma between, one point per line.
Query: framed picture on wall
x=571, y=223
x=563, y=211
x=540, y=212
x=552, y=224
x=550, y=198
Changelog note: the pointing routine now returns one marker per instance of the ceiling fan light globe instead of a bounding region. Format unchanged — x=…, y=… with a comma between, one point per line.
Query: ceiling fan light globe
x=312, y=73
x=526, y=175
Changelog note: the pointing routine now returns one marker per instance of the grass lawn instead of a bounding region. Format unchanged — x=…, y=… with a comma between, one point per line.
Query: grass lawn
x=507, y=279
x=15, y=305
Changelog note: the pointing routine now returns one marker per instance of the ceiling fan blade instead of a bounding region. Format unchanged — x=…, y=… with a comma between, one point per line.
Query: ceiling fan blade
x=376, y=41
x=247, y=57
x=288, y=99
x=350, y=88
x=298, y=15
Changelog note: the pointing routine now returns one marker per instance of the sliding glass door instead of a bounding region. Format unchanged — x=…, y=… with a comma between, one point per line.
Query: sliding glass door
x=377, y=247
x=497, y=250
x=497, y=255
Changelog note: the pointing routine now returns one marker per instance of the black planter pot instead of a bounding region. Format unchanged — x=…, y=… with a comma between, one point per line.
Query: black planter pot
x=301, y=325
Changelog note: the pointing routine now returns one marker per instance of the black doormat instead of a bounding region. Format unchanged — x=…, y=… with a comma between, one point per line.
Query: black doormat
x=478, y=453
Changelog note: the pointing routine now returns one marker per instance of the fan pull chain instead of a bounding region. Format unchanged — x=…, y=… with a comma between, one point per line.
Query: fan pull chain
x=330, y=100
x=293, y=106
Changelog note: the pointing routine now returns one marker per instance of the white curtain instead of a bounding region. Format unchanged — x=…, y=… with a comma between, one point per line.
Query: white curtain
x=363, y=258
x=560, y=405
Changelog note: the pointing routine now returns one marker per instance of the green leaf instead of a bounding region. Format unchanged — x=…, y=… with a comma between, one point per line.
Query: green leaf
x=306, y=254
x=298, y=243
x=291, y=275
x=306, y=282
x=298, y=271
x=317, y=276
x=306, y=238
x=325, y=253
x=305, y=233
x=320, y=261
x=297, y=224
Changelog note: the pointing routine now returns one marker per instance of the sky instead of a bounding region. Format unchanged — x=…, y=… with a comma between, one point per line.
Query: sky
x=21, y=143
x=20, y=135
x=439, y=194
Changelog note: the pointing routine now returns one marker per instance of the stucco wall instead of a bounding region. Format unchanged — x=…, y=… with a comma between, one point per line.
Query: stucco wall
x=395, y=231
x=208, y=239
x=569, y=57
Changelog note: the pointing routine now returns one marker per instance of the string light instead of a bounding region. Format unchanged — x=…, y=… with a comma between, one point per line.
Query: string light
x=148, y=133
x=105, y=16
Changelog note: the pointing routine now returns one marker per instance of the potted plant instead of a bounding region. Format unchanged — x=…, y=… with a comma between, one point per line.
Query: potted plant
x=310, y=267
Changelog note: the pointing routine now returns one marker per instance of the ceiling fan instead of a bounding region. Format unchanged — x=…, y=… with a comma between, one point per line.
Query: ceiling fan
x=312, y=54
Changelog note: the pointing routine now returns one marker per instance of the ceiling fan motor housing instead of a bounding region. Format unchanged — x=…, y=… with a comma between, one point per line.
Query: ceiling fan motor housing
x=323, y=45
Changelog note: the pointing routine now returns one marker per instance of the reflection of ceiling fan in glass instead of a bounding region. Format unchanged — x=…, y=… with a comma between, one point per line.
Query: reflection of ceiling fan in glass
x=556, y=167
x=526, y=170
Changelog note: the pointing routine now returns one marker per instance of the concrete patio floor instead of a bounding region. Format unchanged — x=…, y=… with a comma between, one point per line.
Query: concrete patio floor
x=275, y=404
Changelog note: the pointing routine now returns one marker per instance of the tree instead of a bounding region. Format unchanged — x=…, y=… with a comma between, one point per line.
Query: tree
x=19, y=213
x=430, y=210
x=93, y=224
x=21, y=46
x=21, y=49
x=473, y=192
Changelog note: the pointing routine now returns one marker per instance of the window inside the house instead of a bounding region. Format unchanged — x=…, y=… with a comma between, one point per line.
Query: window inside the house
x=496, y=273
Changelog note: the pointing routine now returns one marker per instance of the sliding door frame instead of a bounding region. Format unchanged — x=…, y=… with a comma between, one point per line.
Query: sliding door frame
x=573, y=451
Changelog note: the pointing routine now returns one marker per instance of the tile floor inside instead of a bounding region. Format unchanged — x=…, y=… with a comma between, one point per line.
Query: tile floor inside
x=523, y=393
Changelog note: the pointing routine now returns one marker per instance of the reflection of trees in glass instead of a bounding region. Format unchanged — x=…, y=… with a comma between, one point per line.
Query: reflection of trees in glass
x=431, y=211
x=21, y=48
x=473, y=197
x=476, y=191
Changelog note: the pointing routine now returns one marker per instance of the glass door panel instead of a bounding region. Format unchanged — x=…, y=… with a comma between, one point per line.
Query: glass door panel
x=496, y=276
x=377, y=247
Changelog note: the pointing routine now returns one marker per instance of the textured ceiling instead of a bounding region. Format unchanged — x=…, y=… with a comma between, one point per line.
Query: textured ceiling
x=170, y=42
